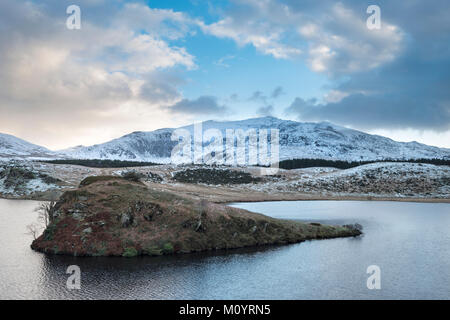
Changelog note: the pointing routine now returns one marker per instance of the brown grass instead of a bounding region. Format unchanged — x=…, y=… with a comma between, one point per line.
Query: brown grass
x=112, y=216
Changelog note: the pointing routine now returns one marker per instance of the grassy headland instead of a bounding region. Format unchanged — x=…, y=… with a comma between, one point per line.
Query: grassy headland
x=112, y=216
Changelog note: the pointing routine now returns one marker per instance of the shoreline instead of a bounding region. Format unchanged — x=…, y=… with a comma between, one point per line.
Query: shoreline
x=303, y=197
x=118, y=217
x=347, y=198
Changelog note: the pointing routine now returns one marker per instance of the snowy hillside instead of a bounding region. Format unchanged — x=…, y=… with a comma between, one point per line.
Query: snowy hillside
x=12, y=147
x=383, y=179
x=155, y=146
x=297, y=140
x=378, y=179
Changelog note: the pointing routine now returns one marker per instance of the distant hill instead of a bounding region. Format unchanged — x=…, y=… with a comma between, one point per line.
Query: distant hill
x=13, y=147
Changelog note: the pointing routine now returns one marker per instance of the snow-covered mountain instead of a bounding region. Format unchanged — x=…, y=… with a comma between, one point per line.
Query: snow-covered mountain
x=13, y=147
x=297, y=140
x=154, y=146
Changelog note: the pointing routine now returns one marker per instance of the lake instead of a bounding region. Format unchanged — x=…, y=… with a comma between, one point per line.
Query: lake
x=410, y=242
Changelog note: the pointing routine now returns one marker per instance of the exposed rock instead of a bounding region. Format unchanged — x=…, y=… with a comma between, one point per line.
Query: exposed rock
x=79, y=206
x=126, y=219
x=148, y=216
x=76, y=214
x=101, y=223
x=153, y=177
x=87, y=230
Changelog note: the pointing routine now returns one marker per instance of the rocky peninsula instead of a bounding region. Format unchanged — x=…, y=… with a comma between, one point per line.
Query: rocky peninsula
x=114, y=216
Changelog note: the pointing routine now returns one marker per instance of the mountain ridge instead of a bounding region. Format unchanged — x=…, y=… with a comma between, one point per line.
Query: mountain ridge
x=321, y=140
x=12, y=146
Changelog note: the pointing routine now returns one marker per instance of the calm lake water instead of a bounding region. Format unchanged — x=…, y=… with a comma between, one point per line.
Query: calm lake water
x=410, y=242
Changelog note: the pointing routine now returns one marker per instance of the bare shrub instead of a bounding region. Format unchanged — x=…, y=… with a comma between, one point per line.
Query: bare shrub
x=34, y=230
x=46, y=211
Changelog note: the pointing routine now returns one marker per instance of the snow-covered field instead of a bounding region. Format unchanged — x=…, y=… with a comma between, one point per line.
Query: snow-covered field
x=20, y=179
x=389, y=180
x=377, y=180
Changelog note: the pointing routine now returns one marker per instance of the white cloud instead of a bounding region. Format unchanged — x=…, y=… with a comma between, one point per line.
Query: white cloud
x=340, y=42
x=110, y=73
x=147, y=54
x=222, y=61
x=259, y=23
x=335, y=96
x=204, y=105
x=334, y=40
x=160, y=22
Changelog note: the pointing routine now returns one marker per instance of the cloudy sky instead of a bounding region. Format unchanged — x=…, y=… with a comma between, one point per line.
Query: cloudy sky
x=142, y=65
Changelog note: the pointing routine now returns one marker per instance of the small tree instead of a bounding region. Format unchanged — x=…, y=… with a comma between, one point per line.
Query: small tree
x=45, y=217
x=34, y=230
x=46, y=211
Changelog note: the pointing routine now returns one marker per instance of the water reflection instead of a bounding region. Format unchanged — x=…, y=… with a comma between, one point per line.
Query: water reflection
x=409, y=241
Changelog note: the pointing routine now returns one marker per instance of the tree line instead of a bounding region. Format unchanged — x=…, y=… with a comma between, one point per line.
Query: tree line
x=341, y=164
x=97, y=163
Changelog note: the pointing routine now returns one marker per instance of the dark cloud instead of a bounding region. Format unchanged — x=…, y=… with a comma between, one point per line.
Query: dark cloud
x=161, y=87
x=278, y=91
x=377, y=111
x=258, y=96
x=411, y=91
x=204, y=105
x=234, y=97
x=265, y=111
